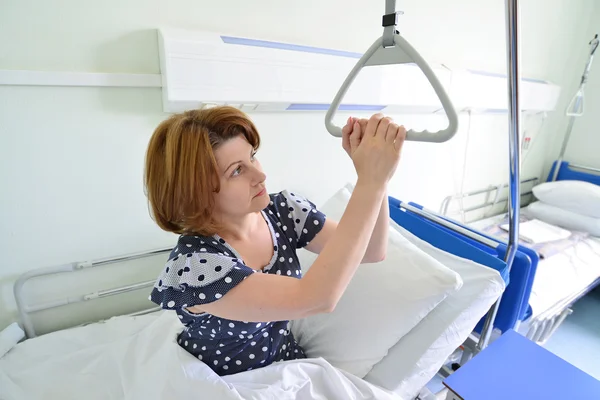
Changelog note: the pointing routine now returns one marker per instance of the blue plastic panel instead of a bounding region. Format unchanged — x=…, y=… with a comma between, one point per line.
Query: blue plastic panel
x=436, y=236
x=567, y=173
x=515, y=299
x=288, y=46
x=523, y=251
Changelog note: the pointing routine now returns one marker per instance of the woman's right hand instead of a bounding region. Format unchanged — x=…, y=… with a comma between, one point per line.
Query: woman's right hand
x=375, y=147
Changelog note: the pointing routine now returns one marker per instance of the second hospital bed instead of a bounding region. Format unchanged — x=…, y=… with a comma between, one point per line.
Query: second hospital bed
x=570, y=271
x=561, y=271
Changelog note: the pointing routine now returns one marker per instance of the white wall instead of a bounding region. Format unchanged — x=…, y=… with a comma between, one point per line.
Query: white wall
x=71, y=158
x=585, y=137
x=584, y=142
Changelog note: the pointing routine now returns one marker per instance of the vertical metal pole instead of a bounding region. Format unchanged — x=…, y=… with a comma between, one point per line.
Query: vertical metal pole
x=514, y=114
x=574, y=111
x=388, y=31
x=563, y=149
x=565, y=142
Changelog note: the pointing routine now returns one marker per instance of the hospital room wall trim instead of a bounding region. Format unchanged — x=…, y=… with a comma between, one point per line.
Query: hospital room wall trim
x=86, y=79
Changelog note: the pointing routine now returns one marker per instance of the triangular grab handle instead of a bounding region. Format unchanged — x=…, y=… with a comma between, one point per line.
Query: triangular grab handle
x=401, y=52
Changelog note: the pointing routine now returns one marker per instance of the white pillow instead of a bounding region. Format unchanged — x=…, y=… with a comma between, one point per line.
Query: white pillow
x=563, y=218
x=575, y=196
x=419, y=355
x=382, y=303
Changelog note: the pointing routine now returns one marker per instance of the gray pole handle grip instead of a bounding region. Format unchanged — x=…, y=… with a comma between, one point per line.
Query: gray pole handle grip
x=398, y=54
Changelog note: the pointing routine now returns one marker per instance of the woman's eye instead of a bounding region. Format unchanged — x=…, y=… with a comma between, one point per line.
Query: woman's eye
x=237, y=171
x=253, y=156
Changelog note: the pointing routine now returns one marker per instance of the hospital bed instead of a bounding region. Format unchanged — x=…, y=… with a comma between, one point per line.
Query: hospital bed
x=559, y=280
x=135, y=353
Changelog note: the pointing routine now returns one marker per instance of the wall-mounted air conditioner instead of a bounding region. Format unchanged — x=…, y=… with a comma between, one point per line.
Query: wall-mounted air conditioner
x=203, y=69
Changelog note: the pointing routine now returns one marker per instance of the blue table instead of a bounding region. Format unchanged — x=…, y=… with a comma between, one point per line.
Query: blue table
x=515, y=368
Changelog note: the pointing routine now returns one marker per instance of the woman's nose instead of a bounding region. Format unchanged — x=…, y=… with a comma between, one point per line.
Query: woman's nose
x=259, y=176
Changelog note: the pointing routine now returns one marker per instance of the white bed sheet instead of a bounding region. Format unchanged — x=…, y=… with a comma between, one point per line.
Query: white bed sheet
x=138, y=358
x=564, y=274
x=561, y=275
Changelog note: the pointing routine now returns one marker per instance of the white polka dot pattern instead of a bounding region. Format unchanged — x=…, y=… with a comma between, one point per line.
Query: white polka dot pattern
x=203, y=269
x=306, y=220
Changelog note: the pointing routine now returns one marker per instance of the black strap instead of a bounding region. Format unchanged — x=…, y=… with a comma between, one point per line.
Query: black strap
x=389, y=20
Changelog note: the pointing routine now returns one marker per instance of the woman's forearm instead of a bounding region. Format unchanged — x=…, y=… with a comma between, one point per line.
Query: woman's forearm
x=377, y=247
x=336, y=264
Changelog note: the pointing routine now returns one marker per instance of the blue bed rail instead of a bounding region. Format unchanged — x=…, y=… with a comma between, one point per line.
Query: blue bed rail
x=572, y=172
x=515, y=299
x=500, y=251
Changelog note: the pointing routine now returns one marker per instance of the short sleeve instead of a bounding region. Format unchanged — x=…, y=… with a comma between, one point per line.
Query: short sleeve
x=197, y=278
x=308, y=220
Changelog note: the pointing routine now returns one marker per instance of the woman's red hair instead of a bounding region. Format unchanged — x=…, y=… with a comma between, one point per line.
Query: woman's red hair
x=181, y=174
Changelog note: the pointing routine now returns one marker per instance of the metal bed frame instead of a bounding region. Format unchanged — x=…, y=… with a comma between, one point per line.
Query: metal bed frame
x=26, y=310
x=545, y=324
x=497, y=200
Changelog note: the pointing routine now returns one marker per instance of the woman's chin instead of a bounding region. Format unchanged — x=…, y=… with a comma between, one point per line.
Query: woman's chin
x=261, y=201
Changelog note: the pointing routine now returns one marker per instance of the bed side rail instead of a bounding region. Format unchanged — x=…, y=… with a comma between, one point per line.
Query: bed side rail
x=24, y=310
x=482, y=198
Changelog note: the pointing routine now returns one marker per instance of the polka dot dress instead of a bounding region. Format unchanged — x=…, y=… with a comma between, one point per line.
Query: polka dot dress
x=203, y=269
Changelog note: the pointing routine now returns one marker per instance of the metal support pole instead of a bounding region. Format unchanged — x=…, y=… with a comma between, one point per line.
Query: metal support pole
x=514, y=114
x=565, y=142
x=575, y=108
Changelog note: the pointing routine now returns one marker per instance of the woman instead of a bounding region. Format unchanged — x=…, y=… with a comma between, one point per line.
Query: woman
x=234, y=278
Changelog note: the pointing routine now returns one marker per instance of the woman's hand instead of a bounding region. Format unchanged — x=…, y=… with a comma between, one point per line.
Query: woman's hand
x=355, y=129
x=348, y=130
x=374, y=146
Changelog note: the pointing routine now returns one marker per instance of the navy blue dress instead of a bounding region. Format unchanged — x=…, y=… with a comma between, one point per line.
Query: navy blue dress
x=202, y=269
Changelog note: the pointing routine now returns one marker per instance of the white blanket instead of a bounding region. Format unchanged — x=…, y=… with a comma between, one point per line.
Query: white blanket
x=138, y=358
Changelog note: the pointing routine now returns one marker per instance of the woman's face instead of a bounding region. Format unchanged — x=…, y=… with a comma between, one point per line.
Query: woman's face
x=243, y=188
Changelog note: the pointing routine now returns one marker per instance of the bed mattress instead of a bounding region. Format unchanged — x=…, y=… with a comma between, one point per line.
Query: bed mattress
x=561, y=275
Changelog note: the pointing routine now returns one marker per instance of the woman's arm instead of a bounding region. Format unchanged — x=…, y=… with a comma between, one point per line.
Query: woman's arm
x=377, y=247
x=268, y=297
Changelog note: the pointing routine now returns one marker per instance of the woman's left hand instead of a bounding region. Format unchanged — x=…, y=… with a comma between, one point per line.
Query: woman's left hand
x=350, y=137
